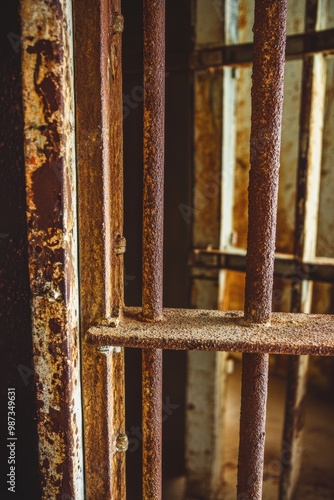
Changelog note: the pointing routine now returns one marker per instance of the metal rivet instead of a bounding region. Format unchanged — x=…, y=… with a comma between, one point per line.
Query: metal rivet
x=122, y=442
x=120, y=245
x=112, y=321
x=118, y=24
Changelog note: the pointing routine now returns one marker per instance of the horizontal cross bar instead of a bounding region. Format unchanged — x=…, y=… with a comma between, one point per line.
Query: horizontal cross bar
x=211, y=330
x=286, y=266
x=235, y=55
x=297, y=46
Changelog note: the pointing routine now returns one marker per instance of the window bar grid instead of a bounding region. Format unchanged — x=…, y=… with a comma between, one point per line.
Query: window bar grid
x=267, y=106
x=215, y=330
x=153, y=202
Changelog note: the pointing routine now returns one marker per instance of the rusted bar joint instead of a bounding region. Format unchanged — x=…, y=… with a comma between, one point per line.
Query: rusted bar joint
x=267, y=106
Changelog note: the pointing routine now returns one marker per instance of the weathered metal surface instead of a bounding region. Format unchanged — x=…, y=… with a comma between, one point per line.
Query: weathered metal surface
x=97, y=36
x=153, y=205
x=152, y=424
x=241, y=55
x=47, y=66
x=305, y=238
x=288, y=333
x=154, y=116
x=252, y=424
x=285, y=266
x=267, y=107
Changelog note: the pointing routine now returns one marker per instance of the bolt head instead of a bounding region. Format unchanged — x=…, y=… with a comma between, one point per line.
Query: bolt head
x=118, y=24
x=122, y=442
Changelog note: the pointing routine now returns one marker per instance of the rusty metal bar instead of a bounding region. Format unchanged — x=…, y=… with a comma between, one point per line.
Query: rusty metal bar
x=154, y=125
x=152, y=423
x=49, y=140
x=200, y=329
x=98, y=67
x=236, y=55
x=153, y=202
x=267, y=106
x=242, y=54
x=286, y=266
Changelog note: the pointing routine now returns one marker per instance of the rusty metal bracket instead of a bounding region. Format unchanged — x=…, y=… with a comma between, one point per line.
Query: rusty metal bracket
x=209, y=330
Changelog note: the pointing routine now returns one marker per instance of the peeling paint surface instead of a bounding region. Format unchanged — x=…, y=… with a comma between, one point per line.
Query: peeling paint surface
x=48, y=101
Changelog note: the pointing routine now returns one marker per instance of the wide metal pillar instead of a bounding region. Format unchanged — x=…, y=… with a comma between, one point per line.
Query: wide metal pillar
x=50, y=161
x=98, y=27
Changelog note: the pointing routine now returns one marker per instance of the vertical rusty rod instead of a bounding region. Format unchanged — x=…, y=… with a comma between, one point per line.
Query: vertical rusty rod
x=267, y=106
x=152, y=423
x=154, y=125
x=154, y=118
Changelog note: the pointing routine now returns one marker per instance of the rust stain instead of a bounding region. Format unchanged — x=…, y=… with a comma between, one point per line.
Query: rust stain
x=208, y=136
x=50, y=180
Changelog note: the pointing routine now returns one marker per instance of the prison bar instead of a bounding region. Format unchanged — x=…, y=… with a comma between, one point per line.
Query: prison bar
x=153, y=202
x=286, y=266
x=267, y=107
x=212, y=330
x=242, y=54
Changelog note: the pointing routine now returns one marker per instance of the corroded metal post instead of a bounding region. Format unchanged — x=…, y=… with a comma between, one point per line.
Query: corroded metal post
x=267, y=107
x=154, y=117
x=98, y=29
x=49, y=139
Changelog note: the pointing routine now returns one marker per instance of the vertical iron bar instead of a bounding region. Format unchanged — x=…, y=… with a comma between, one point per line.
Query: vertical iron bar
x=152, y=420
x=154, y=118
x=154, y=124
x=267, y=106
